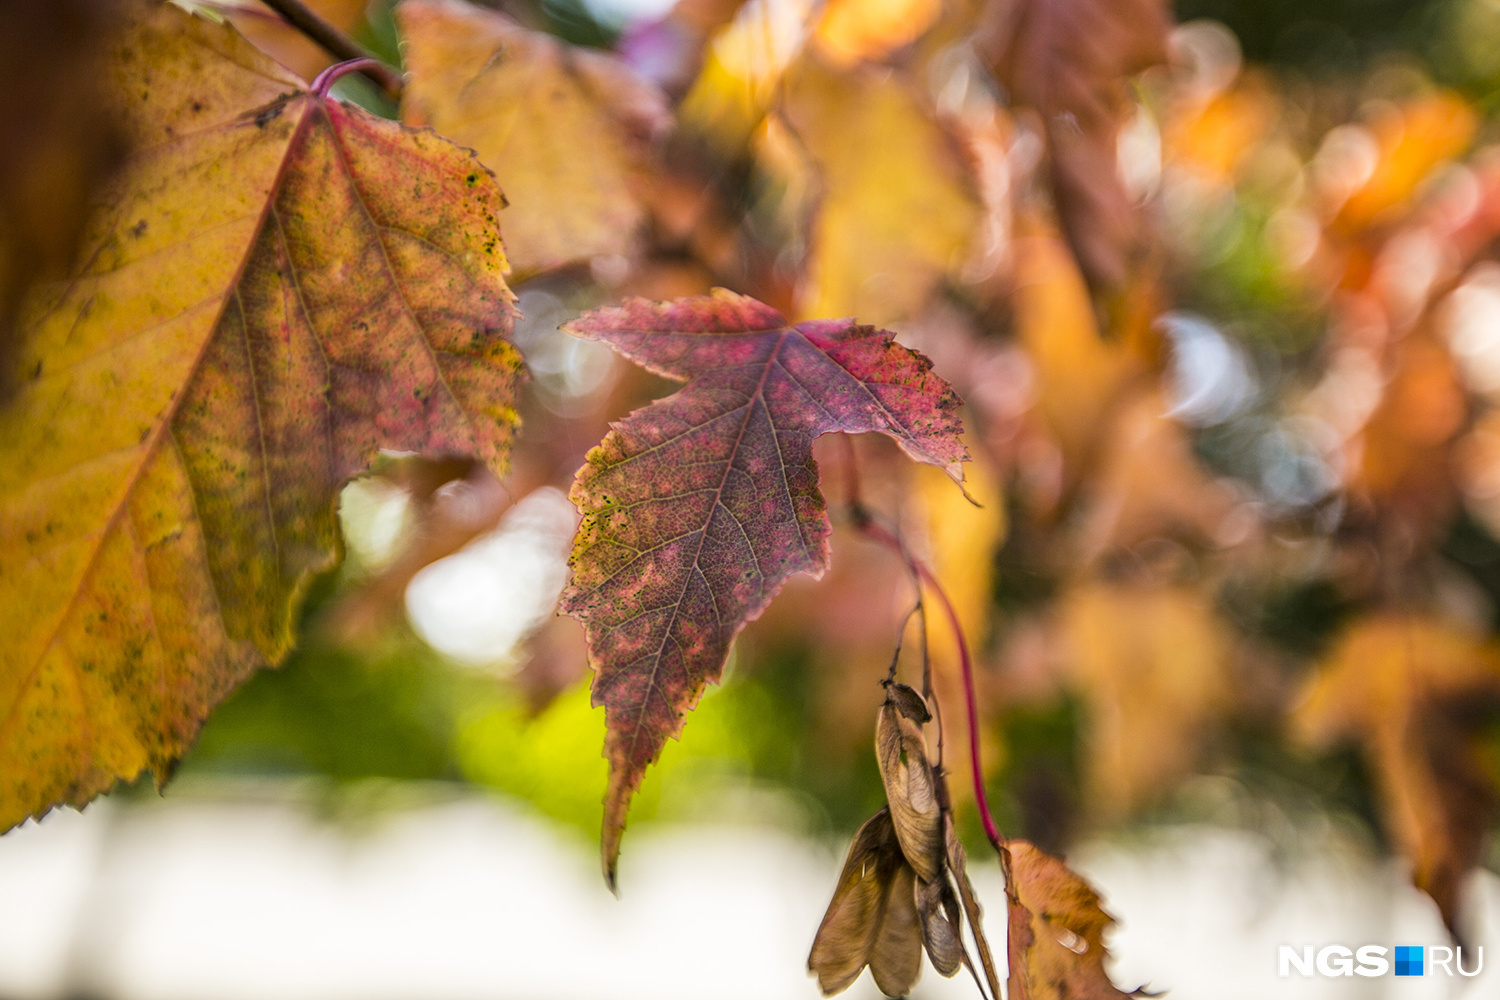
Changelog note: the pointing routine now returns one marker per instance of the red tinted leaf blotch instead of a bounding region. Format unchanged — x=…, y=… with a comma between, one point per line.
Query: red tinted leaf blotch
x=698, y=507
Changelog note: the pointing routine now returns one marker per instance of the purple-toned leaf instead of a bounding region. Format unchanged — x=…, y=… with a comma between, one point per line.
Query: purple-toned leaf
x=698, y=507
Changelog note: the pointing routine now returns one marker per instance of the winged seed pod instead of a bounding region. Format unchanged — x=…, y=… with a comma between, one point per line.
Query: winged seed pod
x=910, y=786
x=872, y=919
x=894, y=895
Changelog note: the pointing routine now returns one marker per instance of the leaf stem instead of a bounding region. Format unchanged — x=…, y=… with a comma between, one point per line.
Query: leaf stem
x=331, y=39
x=876, y=531
x=890, y=675
x=325, y=80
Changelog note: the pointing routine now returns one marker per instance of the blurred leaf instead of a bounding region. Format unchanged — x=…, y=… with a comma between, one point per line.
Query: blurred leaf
x=1404, y=458
x=1152, y=663
x=743, y=73
x=852, y=31
x=1411, y=141
x=61, y=146
x=280, y=287
x=1413, y=691
x=897, y=208
x=1080, y=376
x=1148, y=485
x=698, y=507
x=1069, y=61
x=567, y=131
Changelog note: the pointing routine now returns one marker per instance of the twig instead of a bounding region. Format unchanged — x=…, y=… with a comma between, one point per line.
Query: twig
x=890, y=675
x=336, y=43
x=878, y=532
x=927, y=692
x=865, y=522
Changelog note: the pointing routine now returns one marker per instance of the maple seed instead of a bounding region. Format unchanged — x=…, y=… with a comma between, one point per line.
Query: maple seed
x=698, y=507
x=895, y=896
x=910, y=786
x=872, y=919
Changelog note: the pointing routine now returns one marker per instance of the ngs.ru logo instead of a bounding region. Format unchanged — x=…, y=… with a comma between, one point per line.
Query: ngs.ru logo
x=1370, y=960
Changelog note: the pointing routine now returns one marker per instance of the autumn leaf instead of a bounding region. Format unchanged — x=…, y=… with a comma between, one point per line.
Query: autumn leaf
x=278, y=287
x=1413, y=691
x=61, y=145
x=1081, y=376
x=742, y=73
x=698, y=507
x=896, y=209
x=1148, y=484
x=849, y=31
x=567, y=131
x=1057, y=930
x=1402, y=462
x=1152, y=664
x=1069, y=61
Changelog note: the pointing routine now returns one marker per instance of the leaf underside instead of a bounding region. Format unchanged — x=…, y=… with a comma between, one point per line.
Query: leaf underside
x=698, y=507
x=277, y=288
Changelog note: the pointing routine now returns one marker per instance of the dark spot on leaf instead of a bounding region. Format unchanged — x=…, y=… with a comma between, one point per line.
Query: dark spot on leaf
x=270, y=112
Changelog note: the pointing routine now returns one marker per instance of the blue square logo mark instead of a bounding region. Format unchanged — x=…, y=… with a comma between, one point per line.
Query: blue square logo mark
x=1408, y=960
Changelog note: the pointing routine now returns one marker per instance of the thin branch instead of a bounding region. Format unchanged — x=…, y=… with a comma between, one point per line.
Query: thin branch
x=927, y=692
x=865, y=522
x=890, y=675
x=874, y=530
x=331, y=39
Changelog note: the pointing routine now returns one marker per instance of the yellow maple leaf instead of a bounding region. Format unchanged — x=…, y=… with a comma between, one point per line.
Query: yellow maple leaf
x=567, y=131
x=278, y=287
x=1402, y=686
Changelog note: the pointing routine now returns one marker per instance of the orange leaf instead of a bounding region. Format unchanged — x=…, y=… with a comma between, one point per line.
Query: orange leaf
x=1057, y=932
x=1406, y=687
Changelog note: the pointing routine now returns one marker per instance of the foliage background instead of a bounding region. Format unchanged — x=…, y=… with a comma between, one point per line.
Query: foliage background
x=1275, y=433
x=795, y=713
